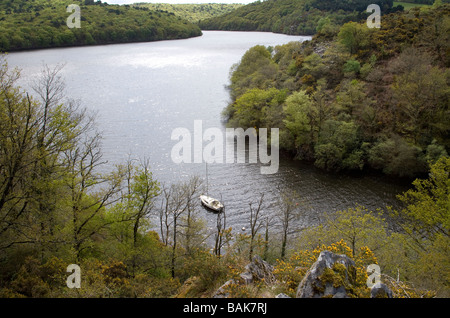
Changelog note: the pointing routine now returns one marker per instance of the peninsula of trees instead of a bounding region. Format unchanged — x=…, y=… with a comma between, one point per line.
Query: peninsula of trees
x=354, y=97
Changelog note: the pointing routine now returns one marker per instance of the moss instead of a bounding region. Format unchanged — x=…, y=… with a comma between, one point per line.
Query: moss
x=338, y=276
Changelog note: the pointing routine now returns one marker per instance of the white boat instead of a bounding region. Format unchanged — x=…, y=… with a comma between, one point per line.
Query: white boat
x=211, y=203
x=208, y=201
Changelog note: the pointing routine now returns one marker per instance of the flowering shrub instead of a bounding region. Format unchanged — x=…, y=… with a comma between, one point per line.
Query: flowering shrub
x=292, y=270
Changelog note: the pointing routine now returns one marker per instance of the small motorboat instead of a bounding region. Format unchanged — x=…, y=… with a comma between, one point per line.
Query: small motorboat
x=211, y=203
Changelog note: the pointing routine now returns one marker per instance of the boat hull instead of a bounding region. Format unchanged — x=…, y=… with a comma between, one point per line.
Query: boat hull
x=211, y=203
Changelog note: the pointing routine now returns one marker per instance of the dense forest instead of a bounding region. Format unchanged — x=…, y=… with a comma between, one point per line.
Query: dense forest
x=134, y=237
x=354, y=97
x=350, y=98
x=42, y=24
x=193, y=12
x=299, y=17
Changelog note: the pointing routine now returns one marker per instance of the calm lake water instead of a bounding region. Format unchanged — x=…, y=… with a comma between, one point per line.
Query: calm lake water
x=143, y=91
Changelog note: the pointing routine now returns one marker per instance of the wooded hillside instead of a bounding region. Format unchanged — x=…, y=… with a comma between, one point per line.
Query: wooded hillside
x=300, y=17
x=193, y=12
x=42, y=24
x=354, y=97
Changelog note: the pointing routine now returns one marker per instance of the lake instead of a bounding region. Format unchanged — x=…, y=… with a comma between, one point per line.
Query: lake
x=143, y=91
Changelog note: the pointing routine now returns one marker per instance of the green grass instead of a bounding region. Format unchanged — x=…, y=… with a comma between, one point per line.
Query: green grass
x=408, y=5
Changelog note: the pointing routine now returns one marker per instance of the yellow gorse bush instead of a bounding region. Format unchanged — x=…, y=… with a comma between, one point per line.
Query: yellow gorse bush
x=291, y=271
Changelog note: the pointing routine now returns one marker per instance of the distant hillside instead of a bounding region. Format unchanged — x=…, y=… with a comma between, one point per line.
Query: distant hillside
x=193, y=12
x=409, y=5
x=300, y=17
x=42, y=24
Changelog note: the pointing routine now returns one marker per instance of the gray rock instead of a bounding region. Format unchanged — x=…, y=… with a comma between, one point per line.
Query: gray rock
x=258, y=269
x=315, y=284
x=247, y=277
x=380, y=290
x=282, y=295
x=222, y=291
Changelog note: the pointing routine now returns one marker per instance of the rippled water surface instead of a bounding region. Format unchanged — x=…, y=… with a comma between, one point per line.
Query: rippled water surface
x=143, y=91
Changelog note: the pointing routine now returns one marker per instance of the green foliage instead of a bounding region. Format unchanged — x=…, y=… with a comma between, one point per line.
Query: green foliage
x=352, y=66
x=193, y=12
x=349, y=5
x=363, y=97
x=386, y=108
x=337, y=147
x=257, y=108
x=255, y=70
x=283, y=16
x=42, y=24
x=428, y=206
x=291, y=271
x=425, y=222
x=417, y=252
x=297, y=122
x=396, y=157
x=354, y=37
x=413, y=4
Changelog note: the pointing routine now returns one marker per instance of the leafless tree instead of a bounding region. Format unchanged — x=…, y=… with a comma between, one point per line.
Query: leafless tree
x=179, y=202
x=288, y=204
x=223, y=235
x=255, y=223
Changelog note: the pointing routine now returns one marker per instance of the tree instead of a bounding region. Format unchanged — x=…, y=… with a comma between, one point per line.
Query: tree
x=254, y=108
x=358, y=226
x=297, y=109
x=396, y=157
x=255, y=70
x=36, y=137
x=288, y=204
x=19, y=123
x=178, y=205
x=90, y=192
x=427, y=212
x=421, y=96
x=425, y=225
x=338, y=147
x=352, y=67
x=143, y=190
x=193, y=229
x=223, y=234
x=255, y=224
x=175, y=208
x=354, y=37
x=51, y=192
x=354, y=100
x=313, y=65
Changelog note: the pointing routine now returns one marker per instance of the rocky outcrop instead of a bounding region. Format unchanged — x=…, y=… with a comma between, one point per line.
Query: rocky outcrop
x=258, y=270
x=330, y=276
x=380, y=290
x=223, y=292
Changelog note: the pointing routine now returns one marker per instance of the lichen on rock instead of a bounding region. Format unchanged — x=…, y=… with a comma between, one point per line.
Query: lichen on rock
x=332, y=275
